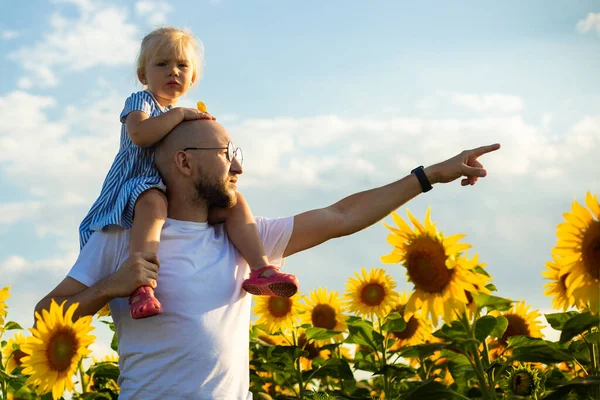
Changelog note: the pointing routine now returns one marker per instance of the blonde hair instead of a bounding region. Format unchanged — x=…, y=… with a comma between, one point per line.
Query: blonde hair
x=176, y=41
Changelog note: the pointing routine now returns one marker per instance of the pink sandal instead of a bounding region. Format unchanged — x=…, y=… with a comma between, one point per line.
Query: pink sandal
x=276, y=284
x=143, y=304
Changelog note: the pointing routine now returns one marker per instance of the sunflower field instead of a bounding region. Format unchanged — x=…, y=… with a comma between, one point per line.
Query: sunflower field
x=451, y=337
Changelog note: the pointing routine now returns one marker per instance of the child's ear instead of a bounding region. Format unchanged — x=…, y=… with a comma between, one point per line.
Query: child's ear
x=142, y=76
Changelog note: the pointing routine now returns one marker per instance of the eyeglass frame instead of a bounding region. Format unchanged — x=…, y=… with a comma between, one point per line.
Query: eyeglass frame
x=231, y=152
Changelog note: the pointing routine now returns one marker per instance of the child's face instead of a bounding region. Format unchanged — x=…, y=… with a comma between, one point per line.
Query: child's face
x=168, y=77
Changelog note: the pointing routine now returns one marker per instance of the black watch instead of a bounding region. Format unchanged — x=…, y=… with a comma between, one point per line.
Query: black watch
x=420, y=173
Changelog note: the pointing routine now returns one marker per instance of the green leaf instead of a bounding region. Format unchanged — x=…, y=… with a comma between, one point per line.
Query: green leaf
x=484, y=327
x=491, y=287
x=421, y=350
x=104, y=370
x=578, y=324
x=362, y=333
x=453, y=331
x=396, y=371
x=335, y=368
x=481, y=271
x=492, y=302
x=94, y=396
x=365, y=365
x=459, y=366
x=10, y=325
x=500, y=328
x=3, y=343
x=527, y=349
x=580, y=385
x=394, y=325
x=320, y=334
x=114, y=343
x=593, y=337
x=557, y=320
x=430, y=390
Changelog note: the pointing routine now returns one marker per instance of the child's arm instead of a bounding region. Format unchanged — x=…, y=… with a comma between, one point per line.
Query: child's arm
x=144, y=131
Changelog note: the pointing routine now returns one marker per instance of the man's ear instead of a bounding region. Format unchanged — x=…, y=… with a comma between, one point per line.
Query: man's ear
x=142, y=76
x=183, y=163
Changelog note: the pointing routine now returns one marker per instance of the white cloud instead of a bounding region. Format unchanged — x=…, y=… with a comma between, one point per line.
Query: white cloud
x=590, y=23
x=9, y=34
x=13, y=212
x=17, y=264
x=99, y=35
x=63, y=168
x=155, y=11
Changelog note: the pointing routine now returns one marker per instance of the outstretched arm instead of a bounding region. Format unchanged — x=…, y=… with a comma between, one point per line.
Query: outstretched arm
x=361, y=210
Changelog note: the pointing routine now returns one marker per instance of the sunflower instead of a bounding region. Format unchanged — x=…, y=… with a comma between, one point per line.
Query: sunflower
x=4, y=294
x=324, y=310
x=277, y=312
x=434, y=264
x=579, y=246
x=557, y=288
x=525, y=381
x=371, y=294
x=104, y=311
x=12, y=354
x=521, y=321
x=417, y=331
x=54, y=351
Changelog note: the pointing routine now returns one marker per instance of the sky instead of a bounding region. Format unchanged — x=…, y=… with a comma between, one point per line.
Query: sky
x=326, y=98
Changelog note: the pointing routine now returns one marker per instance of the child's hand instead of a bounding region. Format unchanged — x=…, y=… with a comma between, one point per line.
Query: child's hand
x=190, y=114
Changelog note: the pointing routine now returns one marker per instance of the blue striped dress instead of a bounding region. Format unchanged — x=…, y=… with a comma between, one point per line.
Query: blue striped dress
x=132, y=172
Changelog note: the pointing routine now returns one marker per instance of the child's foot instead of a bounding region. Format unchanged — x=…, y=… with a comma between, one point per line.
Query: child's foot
x=143, y=304
x=268, y=281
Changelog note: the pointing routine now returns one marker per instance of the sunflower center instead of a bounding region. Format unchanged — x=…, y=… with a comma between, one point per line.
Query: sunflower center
x=522, y=384
x=17, y=356
x=591, y=249
x=563, y=282
x=517, y=326
x=426, y=265
x=372, y=294
x=411, y=328
x=313, y=351
x=61, y=349
x=280, y=306
x=323, y=316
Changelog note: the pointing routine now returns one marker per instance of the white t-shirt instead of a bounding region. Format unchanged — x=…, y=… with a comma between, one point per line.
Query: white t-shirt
x=198, y=347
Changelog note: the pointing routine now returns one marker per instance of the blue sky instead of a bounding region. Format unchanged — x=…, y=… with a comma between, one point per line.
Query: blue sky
x=325, y=98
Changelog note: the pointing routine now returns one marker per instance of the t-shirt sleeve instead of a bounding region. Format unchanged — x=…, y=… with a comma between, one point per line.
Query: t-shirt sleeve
x=140, y=101
x=99, y=258
x=275, y=234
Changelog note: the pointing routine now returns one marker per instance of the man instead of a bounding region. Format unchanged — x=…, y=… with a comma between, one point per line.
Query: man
x=198, y=347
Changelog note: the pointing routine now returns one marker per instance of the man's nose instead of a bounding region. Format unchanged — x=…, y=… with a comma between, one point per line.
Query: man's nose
x=236, y=167
x=174, y=71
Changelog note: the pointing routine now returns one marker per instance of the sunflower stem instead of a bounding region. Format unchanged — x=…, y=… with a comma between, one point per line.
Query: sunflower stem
x=82, y=377
x=487, y=394
x=299, y=369
x=386, y=381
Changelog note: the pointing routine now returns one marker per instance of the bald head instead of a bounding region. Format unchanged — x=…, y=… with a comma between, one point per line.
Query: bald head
x=197, y=133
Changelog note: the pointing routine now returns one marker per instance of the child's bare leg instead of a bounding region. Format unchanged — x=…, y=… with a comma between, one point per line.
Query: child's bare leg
x=241, y=229
x=150, y=214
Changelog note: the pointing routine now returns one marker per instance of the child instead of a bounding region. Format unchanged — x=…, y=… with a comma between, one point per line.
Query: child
x=132, y=195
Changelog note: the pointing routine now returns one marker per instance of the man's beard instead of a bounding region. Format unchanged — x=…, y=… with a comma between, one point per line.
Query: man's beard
x=213, y=193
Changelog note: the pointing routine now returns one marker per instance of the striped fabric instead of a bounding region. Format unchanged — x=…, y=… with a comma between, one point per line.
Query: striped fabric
x=132, y=172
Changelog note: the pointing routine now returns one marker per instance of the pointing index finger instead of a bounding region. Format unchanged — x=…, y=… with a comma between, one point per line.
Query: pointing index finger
x=485, y=149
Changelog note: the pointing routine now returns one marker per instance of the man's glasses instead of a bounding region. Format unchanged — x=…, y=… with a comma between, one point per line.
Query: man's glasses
x=232, y=151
